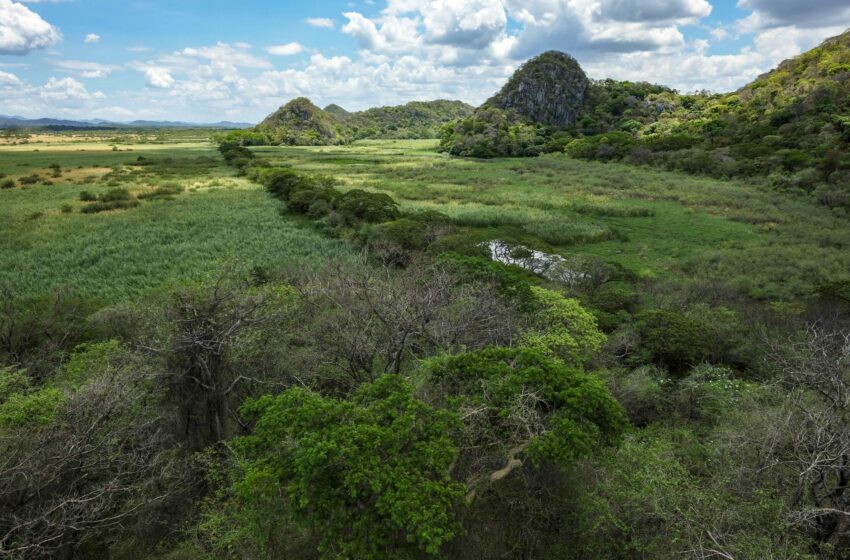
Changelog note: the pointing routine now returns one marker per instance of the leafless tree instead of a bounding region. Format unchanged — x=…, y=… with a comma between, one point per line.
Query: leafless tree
x=197, y=339
x=362, y=321
x=104, y=461
x=33, y=332
x=814, y=369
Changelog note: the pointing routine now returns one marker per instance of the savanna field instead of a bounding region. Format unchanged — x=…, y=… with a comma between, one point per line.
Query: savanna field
x=647, y=341
x=658, y=225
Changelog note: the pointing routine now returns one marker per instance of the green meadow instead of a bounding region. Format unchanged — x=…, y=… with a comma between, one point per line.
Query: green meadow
x=217, y=222
x=656, y=224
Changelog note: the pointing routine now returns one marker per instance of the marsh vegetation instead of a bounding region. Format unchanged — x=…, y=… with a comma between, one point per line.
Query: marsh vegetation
x=380, y=351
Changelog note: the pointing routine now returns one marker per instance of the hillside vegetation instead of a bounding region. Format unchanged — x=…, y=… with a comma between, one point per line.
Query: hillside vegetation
x=300, y=123
x=791, y=125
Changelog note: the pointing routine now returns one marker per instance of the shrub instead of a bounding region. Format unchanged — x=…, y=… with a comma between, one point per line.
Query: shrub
x=392, y=242
x=96, y=207
x=232, y=151
x=571, y=414
x=167, y=192
x=280, y=182
x=674, y=340
x=29, y=179
x=513, y=283
x=308, y=197
x=613, y=145
x=8, y=184
x=37, y=407
x=562, y=328
x=115, y=195
x=641, y=394
x=87, y=196
x=361, y=206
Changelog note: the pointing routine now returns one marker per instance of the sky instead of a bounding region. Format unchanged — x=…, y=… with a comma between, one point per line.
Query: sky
x=214, y=60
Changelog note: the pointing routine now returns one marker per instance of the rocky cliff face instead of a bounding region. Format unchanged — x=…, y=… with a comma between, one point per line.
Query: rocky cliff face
x=548, y=89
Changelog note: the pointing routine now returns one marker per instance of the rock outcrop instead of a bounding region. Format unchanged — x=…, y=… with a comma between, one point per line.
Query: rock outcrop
x=548, y=89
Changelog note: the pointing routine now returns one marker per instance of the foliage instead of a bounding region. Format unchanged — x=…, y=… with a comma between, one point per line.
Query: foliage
x=563, y=328
x=491, y=132
x=360, y=206
x=369, y=474
x=417, y=119
x=674, y=340
x=523, y=398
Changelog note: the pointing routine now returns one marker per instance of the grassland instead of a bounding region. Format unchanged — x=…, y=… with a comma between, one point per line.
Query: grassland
x=684, y=350
x=656, y=224
x=218, y=221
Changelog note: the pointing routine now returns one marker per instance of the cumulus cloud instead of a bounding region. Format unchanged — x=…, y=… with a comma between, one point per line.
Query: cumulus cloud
x=320, y=22
x=285, y=50
x=66, y=89
x=158, y=77
x=7, y=78
x=22, y=30
x=235, y=54
x=654, y=10
x=463, y=23
x=811, y=13
x=92, y=38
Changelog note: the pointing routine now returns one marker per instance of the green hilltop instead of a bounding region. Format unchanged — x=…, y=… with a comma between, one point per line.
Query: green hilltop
x=301, y=123
x=791, y=125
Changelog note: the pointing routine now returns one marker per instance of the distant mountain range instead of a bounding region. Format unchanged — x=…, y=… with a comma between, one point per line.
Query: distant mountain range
x=21, y=122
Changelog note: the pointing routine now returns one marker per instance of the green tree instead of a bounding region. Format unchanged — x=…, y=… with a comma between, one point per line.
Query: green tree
x=517, y=402
x=563, y=329
x=369, y=474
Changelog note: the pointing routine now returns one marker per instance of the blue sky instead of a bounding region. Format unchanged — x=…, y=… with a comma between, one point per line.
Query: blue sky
x=216, y=60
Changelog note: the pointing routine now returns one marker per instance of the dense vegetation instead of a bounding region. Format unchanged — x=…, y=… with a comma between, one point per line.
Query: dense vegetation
x=789, y=127
x=300, y=123
x=377, y=351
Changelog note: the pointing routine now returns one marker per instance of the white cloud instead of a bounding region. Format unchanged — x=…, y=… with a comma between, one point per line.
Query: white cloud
x=463, y=23
x=22, y=30
x=811, y=13
x=235, y=54
x=719, y=33
x=7, y=78
x=85, y=69
x=158, y=77
x=654, y=10
x=66, y=89
x=92, y=38
x=285, y=50
x=320, y=22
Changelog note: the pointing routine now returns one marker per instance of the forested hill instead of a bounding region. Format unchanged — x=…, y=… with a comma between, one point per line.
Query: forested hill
x=791, y=125
x=299, y=122
x=302, y=123
x=417, y=119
